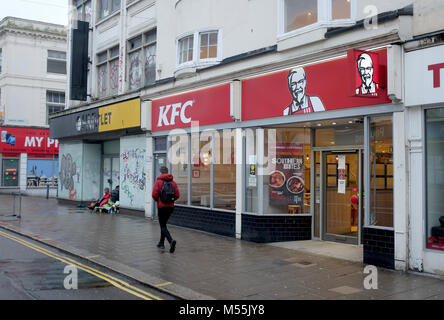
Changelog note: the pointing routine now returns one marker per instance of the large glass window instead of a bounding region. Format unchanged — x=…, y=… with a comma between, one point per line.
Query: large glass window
x=224, y=170
x=42, y=172
x=83, y=10
x=179, y=164
x=435, y=178
x=286, y=181
x=56, y=62
x=201, y=154
x=381, y=170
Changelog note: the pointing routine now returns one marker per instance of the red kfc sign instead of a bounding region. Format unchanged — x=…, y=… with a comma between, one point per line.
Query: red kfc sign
x=336, y=84
x=27, y=140
x=207, y=106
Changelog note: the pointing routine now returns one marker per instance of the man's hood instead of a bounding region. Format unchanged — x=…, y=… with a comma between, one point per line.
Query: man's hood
x=165, y=177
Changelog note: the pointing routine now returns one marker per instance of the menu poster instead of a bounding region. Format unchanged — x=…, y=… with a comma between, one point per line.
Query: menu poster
x=286, y=185
x=341, y=174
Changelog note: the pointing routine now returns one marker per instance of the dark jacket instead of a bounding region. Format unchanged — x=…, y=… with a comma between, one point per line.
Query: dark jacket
x=157, y=188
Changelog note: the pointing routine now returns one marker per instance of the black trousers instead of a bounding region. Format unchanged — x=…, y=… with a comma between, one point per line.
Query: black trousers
x=164, y=215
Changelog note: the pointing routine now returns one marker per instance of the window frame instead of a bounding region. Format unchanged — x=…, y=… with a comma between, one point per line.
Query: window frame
x=325, y=12
x=1, y=60
x=145, y=44
x=197, y=61
x=110, y=6
x=81, y=4
x=109, y=59
x=48, y=58
x=54, y=104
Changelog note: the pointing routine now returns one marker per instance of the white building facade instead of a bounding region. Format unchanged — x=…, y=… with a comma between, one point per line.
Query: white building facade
x=280, y=120
x=32, y=86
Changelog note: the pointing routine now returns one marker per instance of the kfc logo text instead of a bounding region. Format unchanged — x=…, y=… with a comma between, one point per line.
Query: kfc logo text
x=436, y=68
x=169, y=113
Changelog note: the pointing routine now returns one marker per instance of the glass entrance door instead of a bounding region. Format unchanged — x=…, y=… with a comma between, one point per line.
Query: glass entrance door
x=342, y=184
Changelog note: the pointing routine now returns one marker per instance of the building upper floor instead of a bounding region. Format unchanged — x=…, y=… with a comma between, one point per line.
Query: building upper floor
x=156, y=45
x=33, y=71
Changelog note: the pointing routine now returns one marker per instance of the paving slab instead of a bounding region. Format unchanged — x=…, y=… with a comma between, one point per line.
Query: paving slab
x=205, y=266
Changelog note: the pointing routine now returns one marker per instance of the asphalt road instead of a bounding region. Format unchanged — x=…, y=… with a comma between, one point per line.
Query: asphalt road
x=32, y=271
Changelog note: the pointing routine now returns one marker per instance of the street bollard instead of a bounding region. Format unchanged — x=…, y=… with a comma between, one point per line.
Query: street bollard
x=47, y=192
x=20, y=205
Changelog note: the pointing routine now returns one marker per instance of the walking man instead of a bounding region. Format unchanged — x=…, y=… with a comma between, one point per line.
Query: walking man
x=165, y=192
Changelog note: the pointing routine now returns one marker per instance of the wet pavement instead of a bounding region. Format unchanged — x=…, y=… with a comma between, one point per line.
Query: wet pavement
x=206, y=264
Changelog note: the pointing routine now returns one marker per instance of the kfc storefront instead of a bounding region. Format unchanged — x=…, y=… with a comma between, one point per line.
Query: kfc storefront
x=29, y=160
x=425, y=136
x=290, y=155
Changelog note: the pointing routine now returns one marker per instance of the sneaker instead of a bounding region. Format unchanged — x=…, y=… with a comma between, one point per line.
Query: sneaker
x=173, y=246
x=160, y=246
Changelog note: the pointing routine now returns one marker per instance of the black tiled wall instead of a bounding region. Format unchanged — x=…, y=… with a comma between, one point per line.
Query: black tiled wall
x=218, y=222
x=264, y=229
x=379, y=247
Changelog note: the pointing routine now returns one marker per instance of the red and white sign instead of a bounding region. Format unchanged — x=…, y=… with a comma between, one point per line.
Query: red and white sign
x=336, y=84
x=424, y=76
x=207, y=106
x=27, y=140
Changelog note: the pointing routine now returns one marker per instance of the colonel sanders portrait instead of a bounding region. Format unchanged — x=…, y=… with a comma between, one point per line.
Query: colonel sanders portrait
x=302, y=103
x=366, y=71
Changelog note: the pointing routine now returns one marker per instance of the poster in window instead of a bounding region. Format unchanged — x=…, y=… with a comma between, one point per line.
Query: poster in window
x=286, y=185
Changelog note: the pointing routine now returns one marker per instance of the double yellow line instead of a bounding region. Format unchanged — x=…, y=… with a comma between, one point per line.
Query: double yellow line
x=112, y=280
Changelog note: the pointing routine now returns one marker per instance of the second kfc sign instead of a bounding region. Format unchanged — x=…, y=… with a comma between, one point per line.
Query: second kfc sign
x=336, y=84
x=207, y=106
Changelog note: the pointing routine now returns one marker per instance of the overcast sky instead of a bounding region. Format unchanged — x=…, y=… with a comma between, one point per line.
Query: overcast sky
x=53, y=11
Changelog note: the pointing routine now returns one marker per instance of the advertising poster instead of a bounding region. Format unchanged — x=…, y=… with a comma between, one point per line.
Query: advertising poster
x=341, y=174
x=286, y=185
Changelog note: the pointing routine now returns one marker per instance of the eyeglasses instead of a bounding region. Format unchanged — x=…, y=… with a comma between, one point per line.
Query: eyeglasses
x=297, y=83
x=368, y=69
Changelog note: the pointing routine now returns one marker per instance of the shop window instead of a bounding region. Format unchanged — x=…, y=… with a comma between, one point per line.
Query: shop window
x=179, y=164
x=224, y=170
x=435, y=178
x=108, y=72
x=298, y=15
x=381, y=170
x=56, y=62
x=55, y=102
x=142, y=60
x=201, y=154
x=42, y=172
x=286, y=181
x=251, y=171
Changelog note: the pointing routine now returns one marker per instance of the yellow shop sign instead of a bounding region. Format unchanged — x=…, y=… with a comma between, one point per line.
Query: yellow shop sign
x=118, y=116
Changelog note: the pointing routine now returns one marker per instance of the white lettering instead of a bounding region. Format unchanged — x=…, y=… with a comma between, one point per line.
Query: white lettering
x=71, y=280
x=39, y=141
x=175, y=113
x=30, y=142
x=163, y=115
x=183, y=117
x=371, y=281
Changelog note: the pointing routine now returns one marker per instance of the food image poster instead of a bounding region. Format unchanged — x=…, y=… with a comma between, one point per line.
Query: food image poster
x=287, y=185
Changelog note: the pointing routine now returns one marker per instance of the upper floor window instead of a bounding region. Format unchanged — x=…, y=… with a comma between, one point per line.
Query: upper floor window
x=300, y=14
x=107, y=7
x=56, y=62
x=108, y=72
x=142, y=60
x=201, y=47
x=1, y=60
x=83, y=10
x=55, y=102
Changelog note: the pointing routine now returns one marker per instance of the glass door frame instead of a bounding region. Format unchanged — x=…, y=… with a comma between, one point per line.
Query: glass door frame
x=324, y=151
